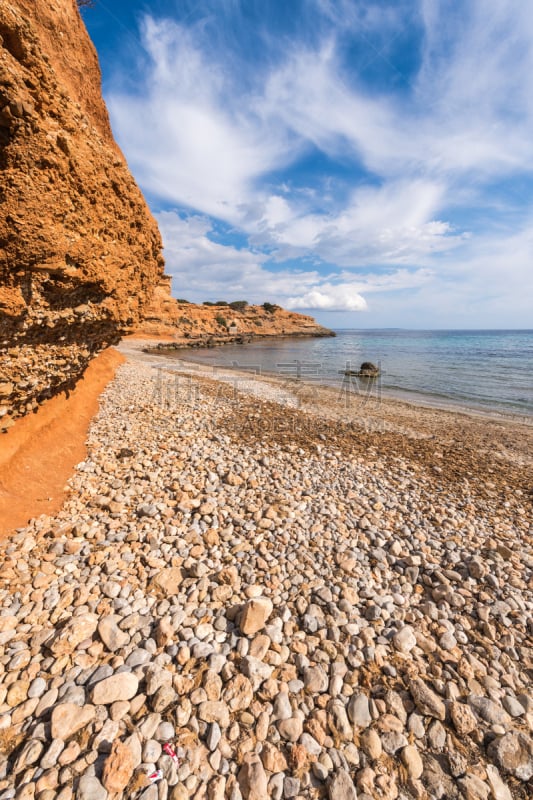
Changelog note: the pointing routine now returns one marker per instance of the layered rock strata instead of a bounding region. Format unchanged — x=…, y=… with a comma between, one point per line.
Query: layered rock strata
x=200, y=325
x=80, y=253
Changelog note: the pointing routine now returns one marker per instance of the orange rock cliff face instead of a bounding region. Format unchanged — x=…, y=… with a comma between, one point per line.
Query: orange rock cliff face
x=80, y=254
x=195, y=325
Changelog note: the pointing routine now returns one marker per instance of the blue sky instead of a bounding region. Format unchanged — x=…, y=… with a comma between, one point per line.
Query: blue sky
x=370, y=163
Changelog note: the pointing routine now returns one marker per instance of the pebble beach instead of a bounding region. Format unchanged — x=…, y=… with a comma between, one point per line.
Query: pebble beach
x=259, y=590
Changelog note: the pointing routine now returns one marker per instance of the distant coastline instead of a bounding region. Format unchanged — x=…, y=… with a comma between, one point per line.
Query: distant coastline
x=209, y=341
x=479, y=371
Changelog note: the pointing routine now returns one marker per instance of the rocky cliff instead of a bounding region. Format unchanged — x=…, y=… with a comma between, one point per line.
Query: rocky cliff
x=199, y=325
x=80, y=253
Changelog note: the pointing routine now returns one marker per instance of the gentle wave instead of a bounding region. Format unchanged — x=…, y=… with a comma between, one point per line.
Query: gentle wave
x=490, y=370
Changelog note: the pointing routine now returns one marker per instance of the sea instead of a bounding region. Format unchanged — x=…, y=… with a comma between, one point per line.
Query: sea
x=483, y=370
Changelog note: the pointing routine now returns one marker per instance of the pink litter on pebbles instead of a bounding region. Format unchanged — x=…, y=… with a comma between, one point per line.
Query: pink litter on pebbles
x=169, y=750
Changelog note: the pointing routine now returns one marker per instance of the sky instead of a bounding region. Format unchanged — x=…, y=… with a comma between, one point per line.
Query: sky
x=367, y=162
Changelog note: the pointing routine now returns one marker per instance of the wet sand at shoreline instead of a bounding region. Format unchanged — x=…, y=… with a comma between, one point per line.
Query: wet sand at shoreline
x=456, y=444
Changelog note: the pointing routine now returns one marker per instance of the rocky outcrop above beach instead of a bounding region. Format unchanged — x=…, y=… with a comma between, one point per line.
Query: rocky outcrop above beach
x=80, y=253
x=191, y=325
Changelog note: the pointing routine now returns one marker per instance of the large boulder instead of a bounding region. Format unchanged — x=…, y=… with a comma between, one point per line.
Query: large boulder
x=369, y=370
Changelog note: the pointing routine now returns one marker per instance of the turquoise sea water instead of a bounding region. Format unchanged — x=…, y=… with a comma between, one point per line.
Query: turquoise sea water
x=490, y=370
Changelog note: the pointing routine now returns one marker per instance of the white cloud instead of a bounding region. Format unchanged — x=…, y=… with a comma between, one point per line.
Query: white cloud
x=197, y=262
x=202, y=135
x=346, y=294
x=391, y=224
x=387, y=281
x=382, y=19
x=186, y=143
x=203, y=269
x=468, y=112
x=485, y=276
x=329, y=298
x=228, y=273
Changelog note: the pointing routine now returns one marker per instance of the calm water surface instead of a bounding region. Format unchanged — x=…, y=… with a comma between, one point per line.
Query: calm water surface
x=491, y=370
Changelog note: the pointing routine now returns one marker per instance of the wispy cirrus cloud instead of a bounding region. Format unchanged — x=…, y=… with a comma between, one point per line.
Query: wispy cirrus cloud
x=391, y=224
x=397, y=141
x=187, y=144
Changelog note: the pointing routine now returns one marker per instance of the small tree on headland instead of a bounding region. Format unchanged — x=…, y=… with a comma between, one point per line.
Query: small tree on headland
x=86, y=3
